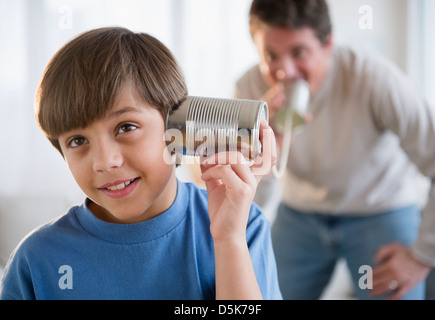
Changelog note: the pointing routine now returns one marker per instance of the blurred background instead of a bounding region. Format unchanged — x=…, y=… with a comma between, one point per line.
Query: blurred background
x=209, y=38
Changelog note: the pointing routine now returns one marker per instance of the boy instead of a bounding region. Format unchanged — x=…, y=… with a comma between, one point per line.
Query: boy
x=141, y=233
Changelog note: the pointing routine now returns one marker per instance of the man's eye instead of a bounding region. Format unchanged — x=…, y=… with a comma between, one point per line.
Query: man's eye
x=76, y=142
x=298, y=53
x=127, y=127
x=271, y=56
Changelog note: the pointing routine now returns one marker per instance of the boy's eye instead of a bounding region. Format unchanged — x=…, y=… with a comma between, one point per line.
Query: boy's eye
x=126, y=127
x=76, y=142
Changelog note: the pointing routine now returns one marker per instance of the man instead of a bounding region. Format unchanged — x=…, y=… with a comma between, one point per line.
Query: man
x=351, y=187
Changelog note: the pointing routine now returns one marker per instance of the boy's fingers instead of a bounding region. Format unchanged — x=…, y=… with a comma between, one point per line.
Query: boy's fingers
x=267, y=159
x=218, y=175
x=233, y=161
x=267, y=136
x=262, y=164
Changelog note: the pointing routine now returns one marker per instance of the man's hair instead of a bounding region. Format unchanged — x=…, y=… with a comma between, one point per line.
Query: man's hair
x=83, y=79
x=292, y=14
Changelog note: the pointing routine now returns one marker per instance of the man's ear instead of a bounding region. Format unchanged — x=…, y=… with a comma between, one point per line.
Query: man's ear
x=329, y=41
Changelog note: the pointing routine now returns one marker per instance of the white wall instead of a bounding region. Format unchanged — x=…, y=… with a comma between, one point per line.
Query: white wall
x=388, y=34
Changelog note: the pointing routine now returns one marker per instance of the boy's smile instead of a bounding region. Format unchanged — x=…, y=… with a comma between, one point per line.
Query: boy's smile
x=119, y=189
x=118, y=162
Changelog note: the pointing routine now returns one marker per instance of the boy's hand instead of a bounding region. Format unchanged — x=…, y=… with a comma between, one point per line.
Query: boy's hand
x=231, y=184
x=231, y=190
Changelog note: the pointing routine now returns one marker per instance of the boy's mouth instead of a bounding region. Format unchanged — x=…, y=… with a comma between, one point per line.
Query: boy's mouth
x=120, y=189
x=115, y=186
x=120, y=186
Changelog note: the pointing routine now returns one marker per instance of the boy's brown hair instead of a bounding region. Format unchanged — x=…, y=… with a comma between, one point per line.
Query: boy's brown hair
x=292, y=14
x=83, y=79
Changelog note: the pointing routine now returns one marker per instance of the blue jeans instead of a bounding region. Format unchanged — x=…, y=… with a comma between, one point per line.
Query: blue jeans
x=308, y=245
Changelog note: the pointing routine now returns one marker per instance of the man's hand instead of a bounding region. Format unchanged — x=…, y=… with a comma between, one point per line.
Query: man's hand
x=397, y=271
x=275, y=98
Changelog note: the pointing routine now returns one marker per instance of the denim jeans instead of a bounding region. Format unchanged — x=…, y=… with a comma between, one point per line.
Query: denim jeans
x=308, y=245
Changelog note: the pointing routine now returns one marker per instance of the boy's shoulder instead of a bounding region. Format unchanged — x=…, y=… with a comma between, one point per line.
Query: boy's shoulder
x=47, y=233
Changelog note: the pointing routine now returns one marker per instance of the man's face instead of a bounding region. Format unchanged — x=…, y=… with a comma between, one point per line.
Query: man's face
x=290, y=54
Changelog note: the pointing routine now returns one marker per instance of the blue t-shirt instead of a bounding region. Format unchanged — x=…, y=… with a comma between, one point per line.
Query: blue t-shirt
x=79, y=256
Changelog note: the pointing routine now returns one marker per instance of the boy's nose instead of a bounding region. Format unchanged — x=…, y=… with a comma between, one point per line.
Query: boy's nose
x=106, y=158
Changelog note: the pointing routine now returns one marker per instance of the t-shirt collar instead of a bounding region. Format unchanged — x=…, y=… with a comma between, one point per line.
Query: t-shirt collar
x=137, y=232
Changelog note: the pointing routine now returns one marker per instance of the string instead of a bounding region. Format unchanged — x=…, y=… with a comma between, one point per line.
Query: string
x=285, y=150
